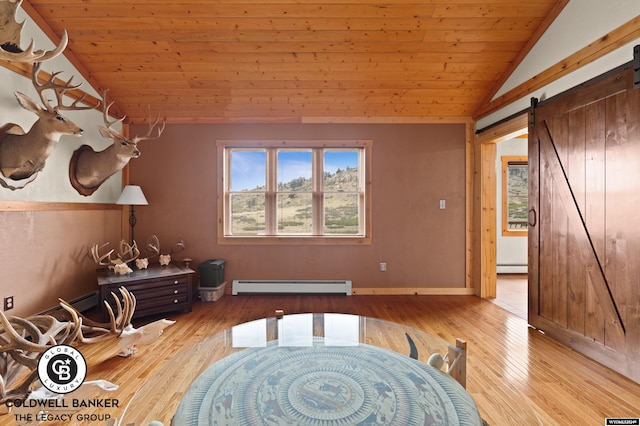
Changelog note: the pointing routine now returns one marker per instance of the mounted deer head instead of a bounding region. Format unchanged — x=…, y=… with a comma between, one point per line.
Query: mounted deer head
x=10, y=38
x=89, y=169
x=23, y=154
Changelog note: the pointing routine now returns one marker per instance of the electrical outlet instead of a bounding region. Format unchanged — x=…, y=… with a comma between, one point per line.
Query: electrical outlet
x=383, y=266
x=8, y=303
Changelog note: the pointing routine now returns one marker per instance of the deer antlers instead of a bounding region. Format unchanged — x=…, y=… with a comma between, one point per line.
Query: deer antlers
x=105, y=117
x=94, y=253
x=109, y=131
x=21, y=343
x=120, y=326
x=127, y=253
x=91, y=331
x=23, y=340
x=151, y=128
x=10, y=49
x=59, y=90
x=24, y=154
x=153, y=246
x=89, y=169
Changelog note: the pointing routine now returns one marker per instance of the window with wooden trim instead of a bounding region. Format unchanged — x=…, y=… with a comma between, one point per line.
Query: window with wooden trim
x=293, y=191
x=515, y=195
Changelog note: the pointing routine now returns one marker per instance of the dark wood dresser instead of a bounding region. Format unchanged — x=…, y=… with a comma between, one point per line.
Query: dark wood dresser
x=157, y=289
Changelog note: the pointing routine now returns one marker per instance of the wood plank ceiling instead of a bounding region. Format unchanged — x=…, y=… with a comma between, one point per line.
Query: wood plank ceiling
x=297, y=60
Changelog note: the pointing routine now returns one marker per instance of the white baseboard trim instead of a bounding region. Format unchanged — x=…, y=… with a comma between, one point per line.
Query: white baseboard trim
x=511, y=269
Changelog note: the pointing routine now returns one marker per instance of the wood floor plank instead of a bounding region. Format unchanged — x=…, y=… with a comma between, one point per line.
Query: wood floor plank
x=504, y=354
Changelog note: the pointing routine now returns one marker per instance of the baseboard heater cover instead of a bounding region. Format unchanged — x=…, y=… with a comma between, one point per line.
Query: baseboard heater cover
x=291, y=286
x=82, y=303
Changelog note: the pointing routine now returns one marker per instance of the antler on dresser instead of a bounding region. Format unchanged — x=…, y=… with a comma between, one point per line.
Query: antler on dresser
x=127, y=253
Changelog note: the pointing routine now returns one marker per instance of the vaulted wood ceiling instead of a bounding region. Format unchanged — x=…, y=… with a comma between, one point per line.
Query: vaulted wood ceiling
x=296, y=60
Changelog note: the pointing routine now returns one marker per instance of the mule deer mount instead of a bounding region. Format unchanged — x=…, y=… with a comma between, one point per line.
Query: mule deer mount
x=89, y=169
x=23, y=154
x=10, y=38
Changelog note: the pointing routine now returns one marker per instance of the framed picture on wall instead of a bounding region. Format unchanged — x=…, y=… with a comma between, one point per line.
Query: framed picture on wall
x=515, y=195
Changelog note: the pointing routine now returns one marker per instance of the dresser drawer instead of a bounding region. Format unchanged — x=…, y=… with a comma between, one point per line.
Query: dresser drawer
x=147, y=297
x=152, y=285
x=157, y=290
x=151, y=292
x=163, y=303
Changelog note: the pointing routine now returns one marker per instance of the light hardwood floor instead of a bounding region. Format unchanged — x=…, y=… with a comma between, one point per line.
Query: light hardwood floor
x=562, y=386
x=511, y=293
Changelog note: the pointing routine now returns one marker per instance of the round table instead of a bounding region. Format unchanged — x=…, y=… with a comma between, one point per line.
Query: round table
x=306, y=369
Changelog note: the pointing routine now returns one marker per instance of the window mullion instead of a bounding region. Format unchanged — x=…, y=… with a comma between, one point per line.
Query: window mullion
x=285, y=217
x=318, y=188
x=271, y=216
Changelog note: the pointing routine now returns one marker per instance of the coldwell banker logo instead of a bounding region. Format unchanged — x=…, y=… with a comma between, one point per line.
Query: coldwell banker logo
x=62, y=369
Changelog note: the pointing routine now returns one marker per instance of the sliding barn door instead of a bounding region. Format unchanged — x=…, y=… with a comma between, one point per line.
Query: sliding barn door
x=584, y=233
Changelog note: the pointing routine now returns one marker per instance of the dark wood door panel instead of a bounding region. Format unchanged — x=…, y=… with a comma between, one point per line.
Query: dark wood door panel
x=622, y=244
x=584, y=159
x=565, y=215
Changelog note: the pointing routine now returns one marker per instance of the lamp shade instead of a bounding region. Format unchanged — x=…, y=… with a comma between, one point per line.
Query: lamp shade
x=132, y=195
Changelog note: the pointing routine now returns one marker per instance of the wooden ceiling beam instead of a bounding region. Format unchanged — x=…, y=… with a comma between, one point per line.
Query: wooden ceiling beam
x=77, y=64
x=626, y=33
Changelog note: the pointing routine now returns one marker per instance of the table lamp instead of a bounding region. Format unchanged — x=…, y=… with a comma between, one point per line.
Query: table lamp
x=132, y=195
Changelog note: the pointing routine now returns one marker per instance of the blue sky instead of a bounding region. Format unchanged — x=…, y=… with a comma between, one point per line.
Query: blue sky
x=248, y=168
x=334, y=160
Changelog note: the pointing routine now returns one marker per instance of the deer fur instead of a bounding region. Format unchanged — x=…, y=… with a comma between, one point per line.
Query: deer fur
x=23, y=154
x=88, y=169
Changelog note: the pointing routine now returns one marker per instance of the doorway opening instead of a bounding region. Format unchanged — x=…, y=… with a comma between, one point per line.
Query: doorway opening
x=512, y=293
x=504, y=279
x=512, y=193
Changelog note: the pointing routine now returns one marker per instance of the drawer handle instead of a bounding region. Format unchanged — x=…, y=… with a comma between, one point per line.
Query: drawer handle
x=175, y=282
x=175, y=301
x=175, y=291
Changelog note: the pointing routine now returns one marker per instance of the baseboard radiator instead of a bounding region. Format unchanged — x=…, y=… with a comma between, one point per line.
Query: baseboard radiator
x=292, y=286
x=82, y=303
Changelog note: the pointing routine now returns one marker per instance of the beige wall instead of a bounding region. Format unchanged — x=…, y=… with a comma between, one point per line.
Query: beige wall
x=43, y=255
x=413, y=167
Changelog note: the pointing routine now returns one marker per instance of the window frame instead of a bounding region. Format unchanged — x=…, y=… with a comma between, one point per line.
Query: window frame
x=223, y=174
x=507, y=161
